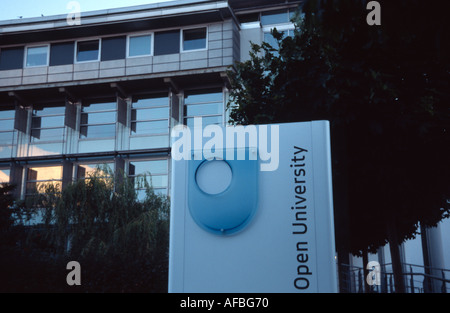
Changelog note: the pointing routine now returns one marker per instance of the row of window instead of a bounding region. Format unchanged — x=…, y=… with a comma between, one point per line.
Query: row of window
x=97, y=129
x=104, y=49
x=36, y=177
x=267, y=18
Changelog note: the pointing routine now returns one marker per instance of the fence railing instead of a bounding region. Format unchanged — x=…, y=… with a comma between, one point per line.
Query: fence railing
x=417, y=278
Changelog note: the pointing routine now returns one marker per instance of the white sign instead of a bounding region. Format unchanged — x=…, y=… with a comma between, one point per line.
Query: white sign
x=237, y=227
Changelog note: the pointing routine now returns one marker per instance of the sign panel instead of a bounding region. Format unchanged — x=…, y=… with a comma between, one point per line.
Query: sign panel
x=251, y=209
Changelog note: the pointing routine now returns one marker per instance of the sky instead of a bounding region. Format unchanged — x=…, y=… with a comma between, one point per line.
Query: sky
x=35, y=8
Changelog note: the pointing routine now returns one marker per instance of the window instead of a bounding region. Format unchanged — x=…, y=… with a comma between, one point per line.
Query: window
x=61, y=53
x=47, y=130
x=37, y=56
x=150, y=122
x=194, y=39
x=276, y=17
x=156, y=174
x=139, y=45
x=103, y=170
x=11, y=58
x=4, y=175
x=39, y=177
x=113, y=48
x=167, y=42
x=268, y=37
x=207, y=104
x=7, y=133
x=98, y=120
x=88, y=51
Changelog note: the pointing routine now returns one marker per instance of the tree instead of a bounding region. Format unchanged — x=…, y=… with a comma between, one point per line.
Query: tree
x=385, y=91
x=120, y=241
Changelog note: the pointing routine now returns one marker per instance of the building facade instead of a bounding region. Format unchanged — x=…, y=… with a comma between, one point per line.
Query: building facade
x=109, y=89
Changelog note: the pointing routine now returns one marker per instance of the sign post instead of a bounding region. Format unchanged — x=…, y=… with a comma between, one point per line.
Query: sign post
x=252, y=214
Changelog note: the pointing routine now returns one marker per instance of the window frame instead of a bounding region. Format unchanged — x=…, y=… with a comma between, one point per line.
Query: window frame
x=152, y=44
x=131, y=120
x=182, y=50
x=25, y=55
x=184, y=105
x=80, y=138
x=99, y=54
x=147, y=159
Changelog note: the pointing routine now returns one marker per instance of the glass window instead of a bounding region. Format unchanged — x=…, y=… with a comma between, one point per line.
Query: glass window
x=167, y=42
x=114, y=48
x=140, y=45
x=98, y=120
x=4, y=175
x=37, y=56
x=61, y=53
x=156, y=172
x=104, y=169
x=150, y=116
x=38, y=177
x=207, y=104
x=11, y=58
x=6, y=133
x=47, y=123
x=194, y=39
x=275, y=17
x=87, y=50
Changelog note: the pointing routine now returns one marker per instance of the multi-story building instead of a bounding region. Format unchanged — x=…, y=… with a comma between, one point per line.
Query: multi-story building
x=109, y=90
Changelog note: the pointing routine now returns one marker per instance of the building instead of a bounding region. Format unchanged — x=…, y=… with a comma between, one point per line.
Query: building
x=109, y=90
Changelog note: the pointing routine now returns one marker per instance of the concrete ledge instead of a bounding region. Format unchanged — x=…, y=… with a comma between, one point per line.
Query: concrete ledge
x=53, y=78
x=60, y=69
x=146, y=60
x=195, y=55
x=38, y=79
x=194, y=64
x=85, y=75
x=112, y=64
x=12, y=81
x=138, y=70
x=112, y=72
x=32, y=71
x=166, y=67
x=168, y=58
x=11, y=73
x=88, y=66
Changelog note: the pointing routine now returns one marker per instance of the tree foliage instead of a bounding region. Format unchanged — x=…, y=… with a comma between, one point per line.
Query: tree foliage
x=385, y=90
x=120, y=241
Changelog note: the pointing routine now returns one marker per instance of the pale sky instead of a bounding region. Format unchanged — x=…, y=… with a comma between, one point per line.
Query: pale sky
x=12, y=9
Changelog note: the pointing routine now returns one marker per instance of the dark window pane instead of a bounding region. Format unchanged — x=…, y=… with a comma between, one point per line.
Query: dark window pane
x=61, y=53
x=11, y=58
x=113, y=48
x=274, y=17
x=140, y=45
x=100, y=131
x=87, y=51
x=194, y=39
x=167, y=42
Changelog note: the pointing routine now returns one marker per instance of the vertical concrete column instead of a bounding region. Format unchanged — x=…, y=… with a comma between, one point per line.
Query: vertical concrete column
x=433, y=257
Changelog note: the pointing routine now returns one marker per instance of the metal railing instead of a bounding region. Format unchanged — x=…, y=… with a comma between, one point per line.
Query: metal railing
x=418, y=279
